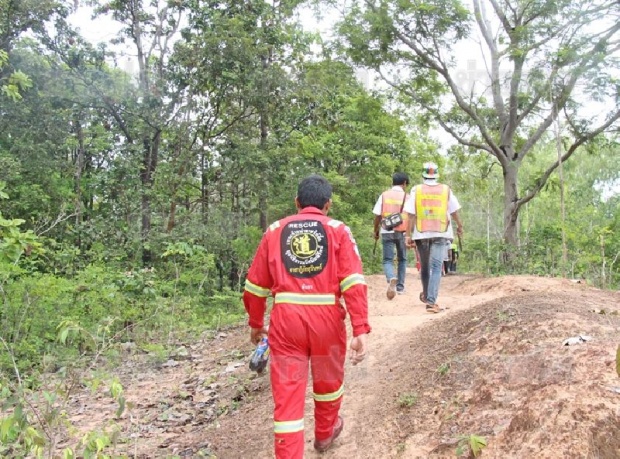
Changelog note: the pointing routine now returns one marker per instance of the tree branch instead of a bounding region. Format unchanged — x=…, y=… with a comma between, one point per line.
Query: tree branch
x=39, y=231
x=460, y=139
x=586, y=61
x=440, y=68
x=489, y=40
x=540, y=183
x=502, y=17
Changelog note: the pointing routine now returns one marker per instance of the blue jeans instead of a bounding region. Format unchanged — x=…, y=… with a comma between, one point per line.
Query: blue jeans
x=432, y=252
x=394, y=242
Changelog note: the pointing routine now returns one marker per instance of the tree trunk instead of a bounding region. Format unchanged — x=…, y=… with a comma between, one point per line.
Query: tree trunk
x=558, y=143
x=79, y=169
x=488, y=223
x=151, y=152
x=175, y=188
x=204, y=196
x=603, y=266
x=267, y=61
x=262, y=193
x=511, y=209
x=172, y=215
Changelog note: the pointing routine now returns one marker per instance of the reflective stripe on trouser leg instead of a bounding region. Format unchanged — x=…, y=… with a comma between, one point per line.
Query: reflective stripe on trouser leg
x=289, y=377
x=327, y=363
x=326, y=408
x=280, y=427
x=329, y=397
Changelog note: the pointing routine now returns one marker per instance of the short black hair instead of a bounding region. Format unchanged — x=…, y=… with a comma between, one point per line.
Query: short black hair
x=314, y=191
x=400, y=178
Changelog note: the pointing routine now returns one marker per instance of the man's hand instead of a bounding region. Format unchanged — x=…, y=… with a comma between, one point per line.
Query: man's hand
x=256, y=334
x=376, y=234
x=459, y=224
x=358, y=348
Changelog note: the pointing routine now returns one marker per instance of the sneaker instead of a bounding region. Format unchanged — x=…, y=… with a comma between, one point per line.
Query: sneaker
x=391, y=290
x=323, y=445
x=433, y=308
x=401, y=291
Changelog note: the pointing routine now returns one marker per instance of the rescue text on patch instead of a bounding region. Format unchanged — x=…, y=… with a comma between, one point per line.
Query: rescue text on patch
x=306, y=224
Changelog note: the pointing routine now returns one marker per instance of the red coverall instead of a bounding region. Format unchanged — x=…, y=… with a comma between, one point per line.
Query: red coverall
x=307, y=262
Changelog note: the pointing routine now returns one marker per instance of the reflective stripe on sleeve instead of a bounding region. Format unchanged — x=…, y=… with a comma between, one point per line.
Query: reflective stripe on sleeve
x=256, y=289
x=350, y=281
x=280, y=427
x=334, y=223
x=329, y=397
x=274, y=226
x=305, y=298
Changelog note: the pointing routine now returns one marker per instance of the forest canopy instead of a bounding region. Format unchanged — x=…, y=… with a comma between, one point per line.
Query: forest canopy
x=133, y=197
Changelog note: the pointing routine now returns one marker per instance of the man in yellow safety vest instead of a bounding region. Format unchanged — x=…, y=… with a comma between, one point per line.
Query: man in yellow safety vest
x=391, y=203
x=431, y=206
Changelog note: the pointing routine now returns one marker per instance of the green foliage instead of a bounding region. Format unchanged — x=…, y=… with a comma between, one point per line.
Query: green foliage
x=415, y=48
x=13, y=242
x=92, y=311
x=591, y=203
x=444, y=368
x=17, y=81
x=187, y=162
x=30, y=420
x=471, y=445
x=16, y=432
x=407, y=400
x=228, y=120
x=244, y=246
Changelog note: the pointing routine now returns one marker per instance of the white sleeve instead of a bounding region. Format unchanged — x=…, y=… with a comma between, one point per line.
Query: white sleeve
x=453, y=203
x=378, y=205
x=410, y=203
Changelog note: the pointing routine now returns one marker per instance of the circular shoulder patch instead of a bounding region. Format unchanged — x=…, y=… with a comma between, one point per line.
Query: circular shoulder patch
x=303, y=245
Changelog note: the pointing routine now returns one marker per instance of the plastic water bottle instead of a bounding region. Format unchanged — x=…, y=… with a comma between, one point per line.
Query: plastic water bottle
x=260, y=356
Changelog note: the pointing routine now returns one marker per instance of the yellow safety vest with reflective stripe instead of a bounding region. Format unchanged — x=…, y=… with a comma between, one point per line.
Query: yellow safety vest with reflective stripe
x=391, y=203
x=431, y=206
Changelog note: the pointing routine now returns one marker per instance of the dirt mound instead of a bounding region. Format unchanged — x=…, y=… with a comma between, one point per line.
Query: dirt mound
x=508, y=285
x=500, y=370
x=492, y=365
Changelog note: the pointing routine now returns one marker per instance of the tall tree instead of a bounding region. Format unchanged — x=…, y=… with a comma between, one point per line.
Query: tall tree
x=58, y=172
x=17, y=18
x=542, y=59
x=150, y=27
x=260, y=47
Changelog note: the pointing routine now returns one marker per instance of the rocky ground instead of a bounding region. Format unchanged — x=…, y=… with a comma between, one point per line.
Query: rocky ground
x=493, y=366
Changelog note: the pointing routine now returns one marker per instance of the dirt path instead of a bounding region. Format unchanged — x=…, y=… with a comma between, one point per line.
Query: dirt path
x=393, y=324
x=369, y=385
x=204, y=402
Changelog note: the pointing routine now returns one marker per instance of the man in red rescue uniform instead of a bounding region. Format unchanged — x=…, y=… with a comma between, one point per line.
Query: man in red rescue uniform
x=308, y=262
